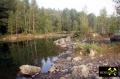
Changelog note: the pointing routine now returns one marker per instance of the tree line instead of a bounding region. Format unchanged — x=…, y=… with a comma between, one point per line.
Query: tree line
x=24, y=16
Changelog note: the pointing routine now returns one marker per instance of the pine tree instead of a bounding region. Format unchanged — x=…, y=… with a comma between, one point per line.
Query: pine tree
x=11, y=23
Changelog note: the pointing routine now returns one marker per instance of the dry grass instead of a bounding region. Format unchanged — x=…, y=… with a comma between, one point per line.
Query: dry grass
x=23, y=37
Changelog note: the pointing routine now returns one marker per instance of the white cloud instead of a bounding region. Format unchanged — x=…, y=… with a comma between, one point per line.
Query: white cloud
x=93, y=6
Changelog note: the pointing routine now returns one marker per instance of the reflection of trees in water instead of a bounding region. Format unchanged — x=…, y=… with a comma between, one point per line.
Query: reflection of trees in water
x=12, y=55
x=31, y=52
x=6, y=62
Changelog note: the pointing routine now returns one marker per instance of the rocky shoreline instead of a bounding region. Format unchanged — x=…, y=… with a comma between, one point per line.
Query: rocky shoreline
x=70, y=66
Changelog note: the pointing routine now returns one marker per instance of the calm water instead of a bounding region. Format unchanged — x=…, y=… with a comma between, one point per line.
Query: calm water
x=36, y=52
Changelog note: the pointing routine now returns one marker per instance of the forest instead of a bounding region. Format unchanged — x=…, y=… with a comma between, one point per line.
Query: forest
x=61, y=44
x=25, y=17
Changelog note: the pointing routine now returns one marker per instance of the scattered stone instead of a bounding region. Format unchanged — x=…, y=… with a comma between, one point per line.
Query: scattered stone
x=64, y=71
x=85, y=70
x=62, y=78
x=115, y=78
x=68, y=76
x=29, y=70
x=105, y=64
x=81, y=53
x=53, y=69
x=81, y=70
x=77, y=59
x=68, y=39
x=69, y=58
x=63, y=45
x=90, y=64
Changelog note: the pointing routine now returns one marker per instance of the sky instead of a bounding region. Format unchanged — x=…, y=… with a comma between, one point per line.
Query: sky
x=92, y=6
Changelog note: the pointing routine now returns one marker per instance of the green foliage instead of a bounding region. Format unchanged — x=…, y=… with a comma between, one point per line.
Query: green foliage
x=66, y=21
x=113, y=24
x=83, y=20
x=92, y=21
x=102, y=22
x=5, y=7
x=11, y=22
x=26, y=17
x=86, y=48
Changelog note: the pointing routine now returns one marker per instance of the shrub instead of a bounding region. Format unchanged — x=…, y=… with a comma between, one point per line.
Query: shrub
x=85, y=48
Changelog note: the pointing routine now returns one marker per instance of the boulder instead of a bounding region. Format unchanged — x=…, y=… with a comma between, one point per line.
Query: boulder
x=29, y=70
x=60, y=42
x=63, y=42
x=77, y=58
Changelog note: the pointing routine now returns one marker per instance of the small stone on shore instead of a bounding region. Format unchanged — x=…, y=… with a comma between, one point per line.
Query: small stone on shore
x=62, y=78
x=69, y=58
x=77, y=58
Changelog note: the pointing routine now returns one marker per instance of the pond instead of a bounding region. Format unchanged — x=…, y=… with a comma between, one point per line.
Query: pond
x=40, y=52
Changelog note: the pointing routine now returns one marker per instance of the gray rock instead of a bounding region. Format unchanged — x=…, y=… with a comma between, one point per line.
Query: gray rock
x=68, y=39
x=115, y=78
x=68, y=76
x=64, y=71
x=69, y=58
x=62, y=78
x=63, y=42
x=98, y=77
x=77, y=58
x=29, y=70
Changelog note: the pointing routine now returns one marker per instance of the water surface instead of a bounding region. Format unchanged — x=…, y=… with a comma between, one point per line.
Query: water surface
x=36, y=52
